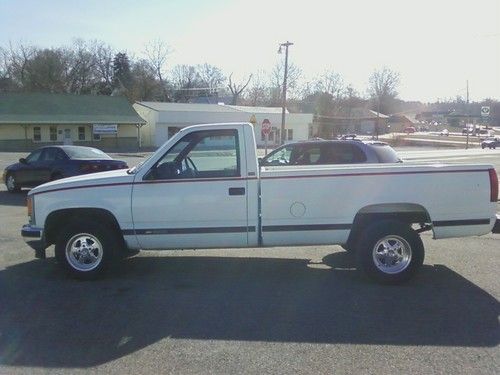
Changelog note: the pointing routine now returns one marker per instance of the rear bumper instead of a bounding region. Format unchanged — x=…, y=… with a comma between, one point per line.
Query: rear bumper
x=33, y=236
x=496, y=227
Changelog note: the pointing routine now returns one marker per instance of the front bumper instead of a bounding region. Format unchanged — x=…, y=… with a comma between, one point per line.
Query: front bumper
x=496, y=227
x=33, y=236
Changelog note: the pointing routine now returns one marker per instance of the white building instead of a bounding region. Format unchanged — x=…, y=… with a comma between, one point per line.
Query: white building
x=165, y=119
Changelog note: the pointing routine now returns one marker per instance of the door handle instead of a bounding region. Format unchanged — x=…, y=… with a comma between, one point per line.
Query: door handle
x=237, y=191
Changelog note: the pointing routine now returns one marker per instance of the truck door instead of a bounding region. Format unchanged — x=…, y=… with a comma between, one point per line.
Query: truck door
x=194, y=195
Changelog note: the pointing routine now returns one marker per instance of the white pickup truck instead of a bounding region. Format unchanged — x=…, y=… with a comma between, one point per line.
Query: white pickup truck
x=204, y=189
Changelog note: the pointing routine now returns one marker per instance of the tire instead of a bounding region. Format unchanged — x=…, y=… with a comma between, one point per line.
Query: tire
x=11, y=184
x=94, y=249
x=389, y=265
x=483, y=147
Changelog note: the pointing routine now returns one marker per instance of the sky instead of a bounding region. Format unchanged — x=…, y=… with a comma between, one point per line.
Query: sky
x=435, y=45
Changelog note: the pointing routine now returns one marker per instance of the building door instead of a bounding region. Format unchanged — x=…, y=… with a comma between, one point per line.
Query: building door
x=67, y=137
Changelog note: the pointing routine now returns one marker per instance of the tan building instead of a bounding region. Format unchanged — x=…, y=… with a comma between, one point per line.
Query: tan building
x=32, y=120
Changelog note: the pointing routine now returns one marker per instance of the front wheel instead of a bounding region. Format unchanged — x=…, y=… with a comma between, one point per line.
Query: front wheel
x=390, y=252
x=11, y=183
x=85, y=250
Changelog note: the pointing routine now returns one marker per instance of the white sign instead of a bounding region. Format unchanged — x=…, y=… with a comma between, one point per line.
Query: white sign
x=266, y=126
x=104, y=128
x=485, y=111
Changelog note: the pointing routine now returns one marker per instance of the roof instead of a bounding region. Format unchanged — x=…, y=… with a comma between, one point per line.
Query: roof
x=200, y=107
x=356, y=114
x=39, y=108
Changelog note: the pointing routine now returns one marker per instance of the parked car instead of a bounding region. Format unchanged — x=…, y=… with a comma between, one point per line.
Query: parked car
x=55, y=162
x=490, y=143
x=445, y=132
x=331, y=152
x=410, y=129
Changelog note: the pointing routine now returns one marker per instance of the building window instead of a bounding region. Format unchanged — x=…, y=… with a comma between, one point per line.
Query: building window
x=53, y=133
x=290, y=134
x=81, y=133
x=97, y=137
x=37, y=134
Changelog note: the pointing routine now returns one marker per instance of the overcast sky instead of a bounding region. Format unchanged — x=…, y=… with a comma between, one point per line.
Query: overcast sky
x=436, y=45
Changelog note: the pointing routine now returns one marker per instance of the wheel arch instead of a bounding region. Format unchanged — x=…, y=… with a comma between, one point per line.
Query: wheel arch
x=58, y=219
x=410, y=213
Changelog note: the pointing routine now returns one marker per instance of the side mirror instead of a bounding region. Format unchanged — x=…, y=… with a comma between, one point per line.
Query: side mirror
x=23, y=161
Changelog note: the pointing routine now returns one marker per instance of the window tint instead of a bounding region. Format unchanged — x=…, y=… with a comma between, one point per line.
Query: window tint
x=52, y=154
x=34, y=156
x=342, y=153
x=305, y=155
x=203, y=154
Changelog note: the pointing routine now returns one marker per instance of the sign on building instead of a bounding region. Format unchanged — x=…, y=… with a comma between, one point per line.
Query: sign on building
x=105, y=129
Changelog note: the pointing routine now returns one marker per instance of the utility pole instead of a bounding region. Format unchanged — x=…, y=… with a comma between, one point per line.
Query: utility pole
x=467, y=117
x=283, y=105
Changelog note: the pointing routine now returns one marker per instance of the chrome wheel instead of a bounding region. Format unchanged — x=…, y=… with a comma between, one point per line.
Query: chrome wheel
x=11, y=183
x=84, y=252
x=392, y=254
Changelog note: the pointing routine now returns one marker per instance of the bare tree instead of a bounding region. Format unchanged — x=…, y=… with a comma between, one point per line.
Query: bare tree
x=331, y=83
x=237, y=88
x=157, y=52
x=382, y=88
x=211, y=76
x=259, y=91
x=104, y=55
x=18, y=59
x=277, y=77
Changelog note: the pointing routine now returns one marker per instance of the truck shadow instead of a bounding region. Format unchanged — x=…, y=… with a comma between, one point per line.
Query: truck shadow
x=49, y=321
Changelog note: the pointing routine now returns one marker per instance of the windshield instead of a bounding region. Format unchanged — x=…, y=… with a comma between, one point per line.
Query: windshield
x=86, y=153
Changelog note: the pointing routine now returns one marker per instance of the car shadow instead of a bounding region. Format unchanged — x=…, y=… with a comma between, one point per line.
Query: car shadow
x=13, y=199
x=47, y=320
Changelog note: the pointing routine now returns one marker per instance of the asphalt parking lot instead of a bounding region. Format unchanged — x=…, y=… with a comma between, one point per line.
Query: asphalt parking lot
x=279, y=310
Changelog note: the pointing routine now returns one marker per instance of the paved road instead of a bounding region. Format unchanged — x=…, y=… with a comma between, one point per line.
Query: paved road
x=280, y=310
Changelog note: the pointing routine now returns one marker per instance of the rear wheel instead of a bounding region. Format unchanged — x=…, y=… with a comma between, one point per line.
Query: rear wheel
x=390, y=252
x=85, y=250
x=11, y=183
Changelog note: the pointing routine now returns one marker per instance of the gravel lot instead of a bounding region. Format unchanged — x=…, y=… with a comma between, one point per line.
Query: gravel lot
x=279, y=310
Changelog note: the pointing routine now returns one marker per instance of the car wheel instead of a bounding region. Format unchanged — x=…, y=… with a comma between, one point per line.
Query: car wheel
x=11, y=183
x=85, y=250
x=390, y=252
x=483, y=147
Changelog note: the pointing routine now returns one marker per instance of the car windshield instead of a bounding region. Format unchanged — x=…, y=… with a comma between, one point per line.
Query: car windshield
x=76, y=152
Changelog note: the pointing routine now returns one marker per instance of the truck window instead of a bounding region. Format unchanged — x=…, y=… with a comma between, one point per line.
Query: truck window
x=203, y=154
